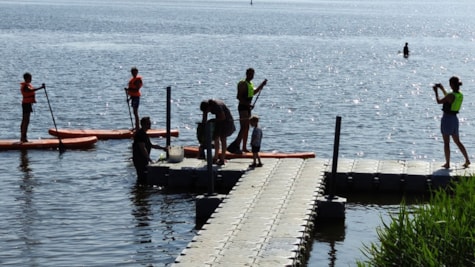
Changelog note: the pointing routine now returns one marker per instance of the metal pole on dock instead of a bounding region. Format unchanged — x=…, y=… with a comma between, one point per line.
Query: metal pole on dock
x=209, y=158
x=169, y=89
x=331, y=206
x=336, y=147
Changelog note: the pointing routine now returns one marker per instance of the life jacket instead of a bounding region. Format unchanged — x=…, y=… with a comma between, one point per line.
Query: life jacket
x=135, y=84
x=454, y=107
x=250, y=90
x=28, y=95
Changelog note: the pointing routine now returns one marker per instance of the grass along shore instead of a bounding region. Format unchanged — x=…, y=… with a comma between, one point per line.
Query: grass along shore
x=438, y=233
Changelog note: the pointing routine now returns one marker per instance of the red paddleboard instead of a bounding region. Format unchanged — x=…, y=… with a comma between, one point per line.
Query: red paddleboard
x=51, y=143
x=193, y=152
x=107, y=134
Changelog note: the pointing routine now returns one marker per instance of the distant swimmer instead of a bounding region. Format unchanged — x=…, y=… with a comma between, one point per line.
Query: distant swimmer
x=406, y=51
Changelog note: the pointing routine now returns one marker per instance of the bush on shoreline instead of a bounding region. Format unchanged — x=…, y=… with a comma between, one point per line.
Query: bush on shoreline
x=440, y=233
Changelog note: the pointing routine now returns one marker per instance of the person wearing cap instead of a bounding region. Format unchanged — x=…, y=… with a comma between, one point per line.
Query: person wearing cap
x=451, y=103
x=133, y=90
x=406, y=50
x=141, y=150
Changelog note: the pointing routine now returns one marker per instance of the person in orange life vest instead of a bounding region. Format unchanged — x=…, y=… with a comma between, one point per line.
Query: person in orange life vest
x=28, y=93
x=135, y=83
x=245, y=93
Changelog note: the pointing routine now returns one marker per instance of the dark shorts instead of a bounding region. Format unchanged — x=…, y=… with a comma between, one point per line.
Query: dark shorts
x=449, y=124
x=142, y=172
x=135, y=101
x=255, y=149
x=244, y=111
x=27, y=108
x=224, y=128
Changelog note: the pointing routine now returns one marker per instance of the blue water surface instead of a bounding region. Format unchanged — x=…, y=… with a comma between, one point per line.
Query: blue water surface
x=323, y=59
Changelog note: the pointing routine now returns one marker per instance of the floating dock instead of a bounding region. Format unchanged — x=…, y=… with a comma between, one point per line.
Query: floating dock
x=268, y=216
x=265, y=220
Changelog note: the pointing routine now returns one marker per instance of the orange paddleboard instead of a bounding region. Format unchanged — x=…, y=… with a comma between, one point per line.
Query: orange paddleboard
x=193, y=152
x=51, y=143
x=107, y=134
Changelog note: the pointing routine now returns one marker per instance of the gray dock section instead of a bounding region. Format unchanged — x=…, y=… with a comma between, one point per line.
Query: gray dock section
x=264, y=221
x=267, y=218
x=416, y=176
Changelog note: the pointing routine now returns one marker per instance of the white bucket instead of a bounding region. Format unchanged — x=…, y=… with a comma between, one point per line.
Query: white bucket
x=175, y=154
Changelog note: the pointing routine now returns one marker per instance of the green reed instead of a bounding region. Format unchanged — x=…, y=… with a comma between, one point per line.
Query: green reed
x=438, y=233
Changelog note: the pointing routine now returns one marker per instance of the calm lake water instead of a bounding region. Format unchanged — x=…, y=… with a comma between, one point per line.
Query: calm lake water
x=322, y=58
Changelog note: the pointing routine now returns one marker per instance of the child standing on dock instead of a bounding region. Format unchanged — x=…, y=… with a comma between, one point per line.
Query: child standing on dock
x=256, y=139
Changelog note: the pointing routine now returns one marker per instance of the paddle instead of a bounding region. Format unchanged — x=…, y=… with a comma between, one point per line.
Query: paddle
x=62, y=147
x=258, y=94
x=128, y=106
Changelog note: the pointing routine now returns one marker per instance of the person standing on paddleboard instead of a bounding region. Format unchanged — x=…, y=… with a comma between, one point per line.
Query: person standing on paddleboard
x=28, y=93
x=245, y=93
x=141, y=150
x=223, y=127
x=451, y=103
x=135, y=83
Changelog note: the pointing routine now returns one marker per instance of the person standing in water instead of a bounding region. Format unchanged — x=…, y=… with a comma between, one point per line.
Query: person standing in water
x=28, y=93
x=141, y=150
x=406, y=51
x=135, y=83
x=451, y=103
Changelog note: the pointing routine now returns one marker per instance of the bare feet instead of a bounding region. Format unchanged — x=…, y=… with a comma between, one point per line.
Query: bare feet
x=446, y=166
x=466, y=164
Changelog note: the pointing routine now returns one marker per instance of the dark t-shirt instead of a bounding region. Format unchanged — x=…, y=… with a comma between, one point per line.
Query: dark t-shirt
x=141, y=137
x=226, y=127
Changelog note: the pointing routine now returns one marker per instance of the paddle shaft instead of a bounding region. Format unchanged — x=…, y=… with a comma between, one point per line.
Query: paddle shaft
x=128, y=106
x=258, y=94
x=61, y=145
x=257, y=97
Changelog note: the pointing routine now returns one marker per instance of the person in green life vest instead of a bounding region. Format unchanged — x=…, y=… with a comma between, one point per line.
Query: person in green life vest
x=245, y=93
x=451, y=103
